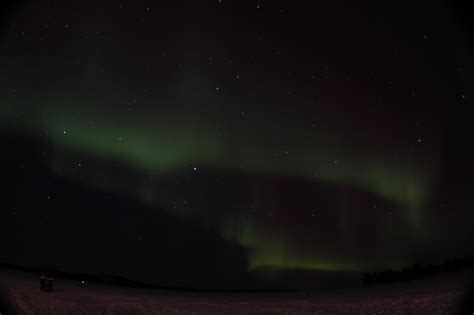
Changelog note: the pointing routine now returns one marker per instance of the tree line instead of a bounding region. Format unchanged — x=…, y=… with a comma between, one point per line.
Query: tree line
x=417, y=271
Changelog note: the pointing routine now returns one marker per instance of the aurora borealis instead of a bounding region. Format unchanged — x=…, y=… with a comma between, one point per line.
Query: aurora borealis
x=262, y=137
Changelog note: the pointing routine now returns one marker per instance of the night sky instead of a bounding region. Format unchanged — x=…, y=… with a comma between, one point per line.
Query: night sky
x=235, y=144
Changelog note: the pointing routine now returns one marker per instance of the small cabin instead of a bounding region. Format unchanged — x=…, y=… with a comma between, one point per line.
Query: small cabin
x=46, y=284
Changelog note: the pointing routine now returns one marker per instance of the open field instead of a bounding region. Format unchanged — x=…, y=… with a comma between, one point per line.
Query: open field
x=442, y=294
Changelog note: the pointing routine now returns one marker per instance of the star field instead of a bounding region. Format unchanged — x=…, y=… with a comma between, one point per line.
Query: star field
x=263, y=137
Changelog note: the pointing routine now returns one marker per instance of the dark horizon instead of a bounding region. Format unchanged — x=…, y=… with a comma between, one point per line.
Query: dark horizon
x=419, y=271
x=226, y=144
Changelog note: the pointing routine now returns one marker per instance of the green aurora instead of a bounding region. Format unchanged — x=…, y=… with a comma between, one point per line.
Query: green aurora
x=166, y=148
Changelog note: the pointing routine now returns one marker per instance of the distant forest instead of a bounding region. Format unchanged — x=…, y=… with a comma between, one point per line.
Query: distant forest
x=417, y=271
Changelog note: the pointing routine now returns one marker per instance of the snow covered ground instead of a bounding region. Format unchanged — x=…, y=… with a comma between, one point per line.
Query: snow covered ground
x=438, y=295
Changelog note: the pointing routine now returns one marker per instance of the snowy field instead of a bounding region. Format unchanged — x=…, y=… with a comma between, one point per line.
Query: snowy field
x=438, y=295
